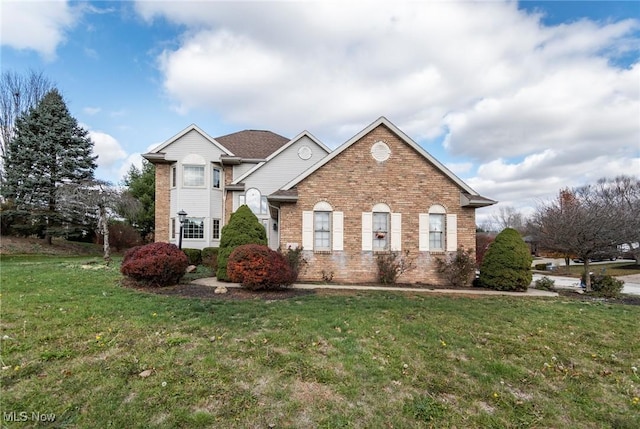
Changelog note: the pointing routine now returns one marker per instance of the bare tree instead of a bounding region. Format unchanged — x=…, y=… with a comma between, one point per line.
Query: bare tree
x=622, y=195
x=508, y=217
x=579, y=222
x=98, y=201
x=18, y=94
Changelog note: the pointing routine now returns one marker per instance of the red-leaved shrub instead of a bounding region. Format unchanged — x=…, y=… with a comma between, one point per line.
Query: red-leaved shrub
x=257, y=267
x=156, y=264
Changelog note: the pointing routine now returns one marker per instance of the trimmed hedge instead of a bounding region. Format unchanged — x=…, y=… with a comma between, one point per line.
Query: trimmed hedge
x=210, y=258
x=156, y=264
x=194, y=256
x=256, y=267
x=507, y=263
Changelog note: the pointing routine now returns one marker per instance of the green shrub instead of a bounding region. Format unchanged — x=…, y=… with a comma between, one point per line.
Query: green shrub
x=605, y=286
x=545, y=283
x=294, y=259
x=194, y=256
x=257, y=267
x=156, y=264
x=392, y=265
x=243, y=228
x=458, y=268
x=210, y=258
x=507, y=263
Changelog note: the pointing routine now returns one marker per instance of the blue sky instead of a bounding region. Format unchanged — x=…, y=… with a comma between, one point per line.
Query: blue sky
x=519, y=99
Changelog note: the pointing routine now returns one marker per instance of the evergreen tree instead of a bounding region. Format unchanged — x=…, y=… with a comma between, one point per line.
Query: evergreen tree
x=507, y=263
x=141, y=185
x=48, y=150
x=243, y=228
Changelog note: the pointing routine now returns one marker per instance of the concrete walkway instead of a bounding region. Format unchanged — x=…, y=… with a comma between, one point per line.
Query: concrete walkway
x=213, y=282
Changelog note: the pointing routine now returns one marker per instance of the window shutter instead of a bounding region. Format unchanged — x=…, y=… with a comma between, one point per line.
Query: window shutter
x=367, y=231
x=338, y=228
x=452, y=232
x=423, y=232
x=307, y=230
x=396, y=231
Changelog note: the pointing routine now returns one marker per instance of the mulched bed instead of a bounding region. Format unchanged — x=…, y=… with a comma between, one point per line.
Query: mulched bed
x=624, y=299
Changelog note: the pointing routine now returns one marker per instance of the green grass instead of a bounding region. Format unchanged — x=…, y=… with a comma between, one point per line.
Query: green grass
x=74, y=343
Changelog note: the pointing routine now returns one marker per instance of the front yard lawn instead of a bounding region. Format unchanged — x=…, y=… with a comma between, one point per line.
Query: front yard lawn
x=78, y=346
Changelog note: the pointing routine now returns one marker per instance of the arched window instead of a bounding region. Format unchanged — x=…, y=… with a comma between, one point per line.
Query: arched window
x=322, y=226
x=255, y=201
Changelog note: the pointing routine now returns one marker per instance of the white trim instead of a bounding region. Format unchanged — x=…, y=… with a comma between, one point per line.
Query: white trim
x=276, y=153
x=322, y=206
x=192, y=127
x=381, y=208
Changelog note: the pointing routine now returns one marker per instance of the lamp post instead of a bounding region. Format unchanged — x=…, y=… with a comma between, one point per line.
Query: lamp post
x=182, y=217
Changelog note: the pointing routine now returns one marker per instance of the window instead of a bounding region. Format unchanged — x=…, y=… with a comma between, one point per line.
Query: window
x=216, y=178
x=380, y=231
x=436, y=231
x=193, y=175
x=215, y=228
x=256, y=202
x=321, y=230
x=193, y=228
x=173, y=227
x=173, y=176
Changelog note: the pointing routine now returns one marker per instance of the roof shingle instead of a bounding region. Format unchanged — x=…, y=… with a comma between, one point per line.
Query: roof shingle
x=252, y=144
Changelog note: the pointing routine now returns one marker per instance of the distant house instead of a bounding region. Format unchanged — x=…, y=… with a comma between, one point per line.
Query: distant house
x=379, y=192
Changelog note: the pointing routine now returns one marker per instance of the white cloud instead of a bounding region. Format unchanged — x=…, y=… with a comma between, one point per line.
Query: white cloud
x=107, y=148
x=91, y=110
x=535, y=107
x=36, y=25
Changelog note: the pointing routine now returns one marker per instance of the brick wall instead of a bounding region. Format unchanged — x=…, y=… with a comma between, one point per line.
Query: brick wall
x=162, y=202
x=353, y=182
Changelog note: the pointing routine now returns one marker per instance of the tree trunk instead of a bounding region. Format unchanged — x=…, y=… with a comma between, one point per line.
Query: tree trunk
x=104, y=222
x=587, y=276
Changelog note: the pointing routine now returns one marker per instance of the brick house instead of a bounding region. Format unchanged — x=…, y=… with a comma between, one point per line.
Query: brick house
x=379, y=192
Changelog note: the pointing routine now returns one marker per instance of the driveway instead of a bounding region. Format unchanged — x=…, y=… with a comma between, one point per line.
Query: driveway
x=631, y=283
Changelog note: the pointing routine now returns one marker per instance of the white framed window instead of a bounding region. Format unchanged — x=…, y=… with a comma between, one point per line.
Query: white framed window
x=193, y=228
x=438, y=230
x=380, y=230
x=215, y=177
x=193, y=175
x=215, y=229
x=174, y=179
x=173, y=228
x=321, y=230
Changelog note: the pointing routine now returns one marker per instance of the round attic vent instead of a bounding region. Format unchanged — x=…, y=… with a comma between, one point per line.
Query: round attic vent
x=305, y=152
x=380, y=151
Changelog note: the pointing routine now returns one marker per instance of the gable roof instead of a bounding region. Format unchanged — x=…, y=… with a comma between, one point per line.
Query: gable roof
x=476, y=202
x=252, y=144
x=282, y=149
x=192, y=127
